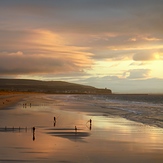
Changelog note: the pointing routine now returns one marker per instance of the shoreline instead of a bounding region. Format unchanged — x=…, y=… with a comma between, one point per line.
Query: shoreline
x=8, y=99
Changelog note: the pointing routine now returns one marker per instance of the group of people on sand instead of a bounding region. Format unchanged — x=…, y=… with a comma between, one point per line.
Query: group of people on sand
x=90, y=121
x=90, y=127
x=25, y=105
x=33, y=128
x=5, y=101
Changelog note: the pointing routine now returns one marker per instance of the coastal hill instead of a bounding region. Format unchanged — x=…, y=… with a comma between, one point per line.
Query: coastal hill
x=25, y=85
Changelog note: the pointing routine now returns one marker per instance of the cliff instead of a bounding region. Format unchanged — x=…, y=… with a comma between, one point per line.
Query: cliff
x=25, y=85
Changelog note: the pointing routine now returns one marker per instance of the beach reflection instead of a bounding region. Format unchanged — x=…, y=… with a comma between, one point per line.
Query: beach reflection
x=103, y=139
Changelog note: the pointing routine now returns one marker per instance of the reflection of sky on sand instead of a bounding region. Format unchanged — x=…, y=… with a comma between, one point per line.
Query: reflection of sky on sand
x=109, y=140
x=131, y=136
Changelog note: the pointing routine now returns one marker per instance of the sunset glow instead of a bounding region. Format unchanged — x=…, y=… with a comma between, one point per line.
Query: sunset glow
x=113, y=44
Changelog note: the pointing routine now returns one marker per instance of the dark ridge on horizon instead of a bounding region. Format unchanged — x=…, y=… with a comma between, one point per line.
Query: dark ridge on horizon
x=29, y=85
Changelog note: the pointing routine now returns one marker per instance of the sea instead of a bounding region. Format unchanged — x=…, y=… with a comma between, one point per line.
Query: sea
x=143, y=108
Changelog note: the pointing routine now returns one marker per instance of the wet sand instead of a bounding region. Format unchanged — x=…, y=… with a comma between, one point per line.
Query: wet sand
x=9, y=99
x=108, y=139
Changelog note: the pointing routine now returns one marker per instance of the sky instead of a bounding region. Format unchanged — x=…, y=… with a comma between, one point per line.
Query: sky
x=114, y=44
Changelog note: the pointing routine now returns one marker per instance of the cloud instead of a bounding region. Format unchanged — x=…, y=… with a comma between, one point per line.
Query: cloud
x=147, y=55
x=87, y=16
x=40, y=51
x=136, y=63
x=117, y=46
x=18, y=63
x=121, y=85
x=137, y=74
x=143, y=56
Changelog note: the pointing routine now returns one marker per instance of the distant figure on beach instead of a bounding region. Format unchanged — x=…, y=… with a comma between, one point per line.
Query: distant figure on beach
x=30, y=105
x=24, y=105
x=33, y=133
x=33, y=129
x=90, y=127
x=90, y=124
x=54, y=121
x=75, y=129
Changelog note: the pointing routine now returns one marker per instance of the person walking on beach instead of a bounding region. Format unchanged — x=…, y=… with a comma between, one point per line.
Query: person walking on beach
x=75, y=129
x=90, y=121
x=90, y=127
x=33, y=133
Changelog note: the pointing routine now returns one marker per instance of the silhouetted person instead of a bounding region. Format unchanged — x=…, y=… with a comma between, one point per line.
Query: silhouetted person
x=75, y=129
x=90, y=121
x=55, y=121
x=33, y=133
x=30, y=105
x=33, y=129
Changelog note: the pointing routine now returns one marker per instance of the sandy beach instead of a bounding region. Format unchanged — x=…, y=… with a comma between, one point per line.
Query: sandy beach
x=108, y=138
x=9, y=99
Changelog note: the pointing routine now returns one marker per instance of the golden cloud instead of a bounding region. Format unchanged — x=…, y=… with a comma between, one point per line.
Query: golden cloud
x=42, y=51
